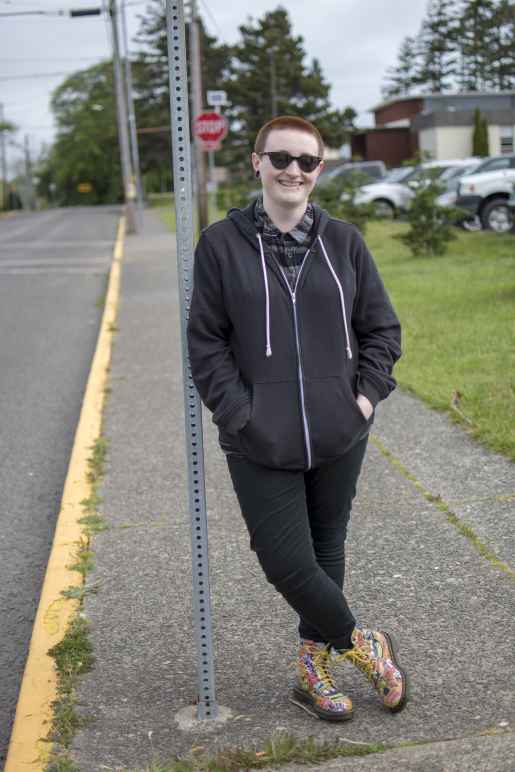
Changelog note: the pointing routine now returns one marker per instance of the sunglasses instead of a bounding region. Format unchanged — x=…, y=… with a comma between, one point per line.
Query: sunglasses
x=280, y=159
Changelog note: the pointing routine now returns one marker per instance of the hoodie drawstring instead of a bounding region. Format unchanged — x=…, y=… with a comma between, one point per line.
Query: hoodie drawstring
x=267, y=293
x=342, y=298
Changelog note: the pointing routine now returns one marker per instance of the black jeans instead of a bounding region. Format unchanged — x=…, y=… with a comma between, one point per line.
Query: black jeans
x=297, y=523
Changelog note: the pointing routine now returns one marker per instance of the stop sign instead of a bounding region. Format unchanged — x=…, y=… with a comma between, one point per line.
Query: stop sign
x=210, y=129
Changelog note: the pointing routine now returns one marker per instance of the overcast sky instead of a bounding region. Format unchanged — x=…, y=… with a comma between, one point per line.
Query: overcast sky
x=354, y=40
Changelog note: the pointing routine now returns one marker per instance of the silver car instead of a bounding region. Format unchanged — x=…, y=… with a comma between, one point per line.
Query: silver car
x=395, y=193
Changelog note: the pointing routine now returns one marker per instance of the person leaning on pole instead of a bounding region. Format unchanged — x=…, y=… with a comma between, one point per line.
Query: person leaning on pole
x=292, y=341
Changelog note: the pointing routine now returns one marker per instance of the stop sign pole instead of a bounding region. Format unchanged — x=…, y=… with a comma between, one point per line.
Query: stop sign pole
x=206, y=702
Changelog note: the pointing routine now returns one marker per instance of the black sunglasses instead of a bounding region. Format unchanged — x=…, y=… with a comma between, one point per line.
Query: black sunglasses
x=280, y=159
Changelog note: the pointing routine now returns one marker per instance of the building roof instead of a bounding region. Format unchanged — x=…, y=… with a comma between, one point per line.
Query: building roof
x=440, y=95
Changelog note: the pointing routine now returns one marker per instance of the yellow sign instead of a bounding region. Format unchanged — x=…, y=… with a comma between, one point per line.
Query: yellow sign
x=84, y=187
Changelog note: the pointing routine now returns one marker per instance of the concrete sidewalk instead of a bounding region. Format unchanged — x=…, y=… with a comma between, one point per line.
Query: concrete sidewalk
x=411, y=570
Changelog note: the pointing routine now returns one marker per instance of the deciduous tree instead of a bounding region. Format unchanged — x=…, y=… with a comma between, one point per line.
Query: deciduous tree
x=86, y=147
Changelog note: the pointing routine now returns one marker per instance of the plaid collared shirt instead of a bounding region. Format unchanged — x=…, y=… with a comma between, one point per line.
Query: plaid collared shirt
x=289, y=248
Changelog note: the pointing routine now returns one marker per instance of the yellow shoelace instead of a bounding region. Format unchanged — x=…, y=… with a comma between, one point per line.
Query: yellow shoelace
x=361, y=660
x=320, y=663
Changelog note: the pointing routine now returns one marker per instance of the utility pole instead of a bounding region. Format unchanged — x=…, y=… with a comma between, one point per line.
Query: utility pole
x=123, y=136
x=132, y=116
x=197, y=103
x=28, y=175
x=3, y=159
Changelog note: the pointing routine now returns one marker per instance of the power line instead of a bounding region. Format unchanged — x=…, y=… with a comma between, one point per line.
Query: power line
x=50, y=59
x=35, y=75
x=208, y=10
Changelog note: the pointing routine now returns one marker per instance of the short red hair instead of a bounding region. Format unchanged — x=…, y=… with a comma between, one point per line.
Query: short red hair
x=287, y=122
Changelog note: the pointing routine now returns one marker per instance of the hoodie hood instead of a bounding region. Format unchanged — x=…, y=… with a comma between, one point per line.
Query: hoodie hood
x=243, y=219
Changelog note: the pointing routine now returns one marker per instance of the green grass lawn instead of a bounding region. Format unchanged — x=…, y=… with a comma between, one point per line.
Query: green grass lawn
x=166, y=208
x=458, y=319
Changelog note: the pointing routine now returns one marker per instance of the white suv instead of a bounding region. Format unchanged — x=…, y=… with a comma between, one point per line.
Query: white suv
x=485, y=194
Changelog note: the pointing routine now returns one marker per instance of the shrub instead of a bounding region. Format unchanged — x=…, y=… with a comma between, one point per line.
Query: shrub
x=431, y=225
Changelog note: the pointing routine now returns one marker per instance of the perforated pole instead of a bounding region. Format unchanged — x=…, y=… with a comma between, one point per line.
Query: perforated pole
x=207, y=707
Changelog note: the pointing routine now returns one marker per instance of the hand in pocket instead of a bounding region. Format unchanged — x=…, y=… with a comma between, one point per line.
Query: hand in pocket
x=365, y=405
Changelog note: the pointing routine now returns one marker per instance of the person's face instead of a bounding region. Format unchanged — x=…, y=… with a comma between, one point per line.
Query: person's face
x=288, y=187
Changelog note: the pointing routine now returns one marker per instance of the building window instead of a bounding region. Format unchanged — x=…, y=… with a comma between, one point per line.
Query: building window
x=506, y=135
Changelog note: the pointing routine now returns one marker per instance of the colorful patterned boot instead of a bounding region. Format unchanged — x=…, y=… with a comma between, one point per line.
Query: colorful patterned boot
x=315, y=688
x=373, y=654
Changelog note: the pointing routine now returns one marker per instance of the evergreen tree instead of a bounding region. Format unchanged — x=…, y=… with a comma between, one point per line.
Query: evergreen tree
x=400, y=78
x=464, y=45
x=270, y=59
x=437, y=44
x=431, y=226
x=480, y=135
x=501, y=66
x=477, y=39
x=151, y=82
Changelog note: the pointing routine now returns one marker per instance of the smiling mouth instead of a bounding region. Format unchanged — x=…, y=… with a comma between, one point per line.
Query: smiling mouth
x=285, y=184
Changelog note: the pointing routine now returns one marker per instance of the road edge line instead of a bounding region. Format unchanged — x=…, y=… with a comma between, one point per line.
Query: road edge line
x=28, y=748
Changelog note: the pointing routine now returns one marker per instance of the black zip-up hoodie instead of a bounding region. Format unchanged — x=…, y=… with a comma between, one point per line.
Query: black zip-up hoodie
x=280, y=371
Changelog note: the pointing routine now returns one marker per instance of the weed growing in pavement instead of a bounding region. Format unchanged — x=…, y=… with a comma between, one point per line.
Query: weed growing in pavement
x=79, y=593
x=83, y=559
x=73, y=656
x=91, y=504
x=96, y=461
x=280, y=749
x=93, y=523
x=63, y=765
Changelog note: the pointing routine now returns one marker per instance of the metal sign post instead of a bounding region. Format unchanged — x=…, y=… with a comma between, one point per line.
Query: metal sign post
x=207, y=707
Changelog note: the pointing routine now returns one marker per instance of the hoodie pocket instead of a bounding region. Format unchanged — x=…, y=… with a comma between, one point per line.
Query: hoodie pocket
x=335, y=419
x=273, y=435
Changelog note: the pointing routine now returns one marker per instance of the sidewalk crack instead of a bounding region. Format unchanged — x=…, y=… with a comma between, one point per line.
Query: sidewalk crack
x=443, y=506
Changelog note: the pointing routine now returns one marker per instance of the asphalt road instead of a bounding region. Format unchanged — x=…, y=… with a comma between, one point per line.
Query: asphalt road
x=53, y=275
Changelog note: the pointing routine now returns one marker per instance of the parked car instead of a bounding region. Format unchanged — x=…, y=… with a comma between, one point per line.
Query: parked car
x=394, y=195
x=376, y=170
x=451, y=178
x=511, y=202
x=486, y=192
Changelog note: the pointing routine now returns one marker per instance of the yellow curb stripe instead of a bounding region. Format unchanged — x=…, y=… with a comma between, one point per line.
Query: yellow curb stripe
x=27, y=748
